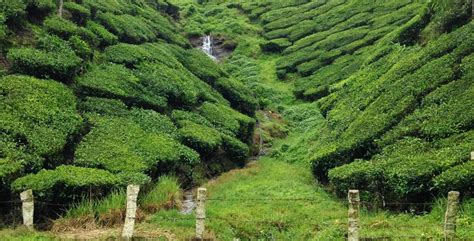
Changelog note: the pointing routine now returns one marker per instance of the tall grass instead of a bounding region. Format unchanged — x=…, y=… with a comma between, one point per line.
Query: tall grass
x=163, y=195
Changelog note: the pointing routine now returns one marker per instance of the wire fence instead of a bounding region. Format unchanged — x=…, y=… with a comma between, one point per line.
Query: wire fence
x=368, y=227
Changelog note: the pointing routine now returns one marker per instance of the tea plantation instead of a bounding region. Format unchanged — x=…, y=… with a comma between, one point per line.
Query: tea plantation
x=336, y=94
x=394, y=84
x=110, y=93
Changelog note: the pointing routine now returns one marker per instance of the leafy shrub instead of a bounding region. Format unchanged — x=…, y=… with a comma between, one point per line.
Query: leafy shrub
x=40, y=8
x=171, y=82
x=40, y=114
x=201, y=138
x=130, y=29
x=66, y=176
x=121, y=144
x=362, y=175
x=80, y=47
x=179, y=115
x=128, y=54
x=60, y=26
x=116, y=81
x=3, y=27
x=458, y=178
x=276, y=45
x=239, y=96
x=105, y=37
x=79, y=13
x=135, y=178
x=14, y=9
x=198, y=63
x=234, y=148
x=45, y=64
x=228, y=120
x=103, y=106
x=88, y=36
x=152, y=121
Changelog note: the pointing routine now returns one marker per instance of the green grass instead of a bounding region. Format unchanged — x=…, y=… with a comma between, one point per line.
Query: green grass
x=250, y=204
x=24, y=234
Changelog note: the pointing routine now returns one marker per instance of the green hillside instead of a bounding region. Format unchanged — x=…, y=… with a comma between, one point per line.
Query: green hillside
x=393, y=82
x=112, y=92
x=336, y=94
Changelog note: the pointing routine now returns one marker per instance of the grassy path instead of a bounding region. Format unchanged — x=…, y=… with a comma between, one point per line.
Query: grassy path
x=275, y=200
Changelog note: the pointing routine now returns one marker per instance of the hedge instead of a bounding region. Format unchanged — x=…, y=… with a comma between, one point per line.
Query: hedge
x=362, y=175
x=363, y=102
x=128, y=28
x=198, y=63
x=39, y=114
x=234, y=148
x=228, y=120
x=239, y=95
x=276, y=45
x=201, y=138
x=80, y=47
x=45, y=64
x=116, y=81
x=105, y=37
x=60, y=26
x=128, y=54
x=121, y=144
x=66, y=176
x=103, y=106
x=80, y=14
x=458, y=178
x=171, y=82
x=178, y=116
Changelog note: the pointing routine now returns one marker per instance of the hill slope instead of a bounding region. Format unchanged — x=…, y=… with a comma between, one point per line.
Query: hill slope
x=111, y=92
x=393, y=82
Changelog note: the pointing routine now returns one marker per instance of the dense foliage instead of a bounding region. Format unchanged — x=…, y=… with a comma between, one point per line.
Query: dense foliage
x=393, y=82
x=110, y=93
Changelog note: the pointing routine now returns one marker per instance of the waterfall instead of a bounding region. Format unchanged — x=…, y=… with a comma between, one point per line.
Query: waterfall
x=207, y=46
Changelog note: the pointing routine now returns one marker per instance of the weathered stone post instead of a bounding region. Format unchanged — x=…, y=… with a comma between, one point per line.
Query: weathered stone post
x=353, y=215
x=200, y=213
x=130, y=214
x=451, y=215
x=28, y=207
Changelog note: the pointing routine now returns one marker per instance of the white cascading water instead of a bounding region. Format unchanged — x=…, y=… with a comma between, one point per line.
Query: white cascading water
x=207, y=46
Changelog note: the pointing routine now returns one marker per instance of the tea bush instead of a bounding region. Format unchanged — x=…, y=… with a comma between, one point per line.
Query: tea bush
x=201, y=138
x=239, y=96
x=45, y=64
x=228, y=120
x=128, y=28
x=80, y=14
x=60, y=26
x=37, y=114
x=105, y=37
x=127, y=54
x=67, y=177
x=459, y=178
x=116, y=81
x=121, y=144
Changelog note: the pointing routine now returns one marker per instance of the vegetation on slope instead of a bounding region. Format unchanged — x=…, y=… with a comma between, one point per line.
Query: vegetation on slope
x=384, y=83
x=376, y=97
x=95, y=92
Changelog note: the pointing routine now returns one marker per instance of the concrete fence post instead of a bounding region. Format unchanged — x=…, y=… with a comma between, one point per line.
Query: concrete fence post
x=353, y=215
x=130, y=214
x=451, y=215
x=200, y=213
x=28, y=207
